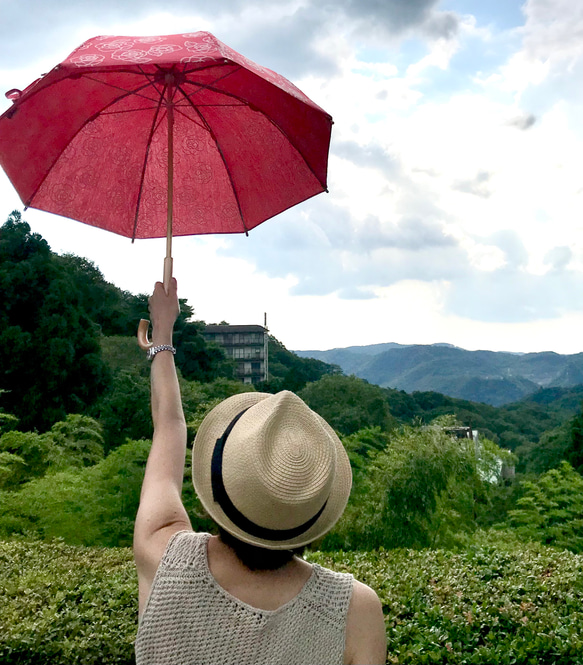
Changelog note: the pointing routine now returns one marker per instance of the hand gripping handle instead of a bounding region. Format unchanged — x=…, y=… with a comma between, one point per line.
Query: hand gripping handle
x=144, y=325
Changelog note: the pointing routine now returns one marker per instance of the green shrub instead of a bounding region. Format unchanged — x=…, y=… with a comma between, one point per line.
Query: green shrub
x=499, y=603
x=93, y=505
x=66, y=605
x=551, y=510
x=495, y=604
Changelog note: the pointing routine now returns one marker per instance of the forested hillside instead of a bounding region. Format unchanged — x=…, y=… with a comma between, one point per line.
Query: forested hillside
x=75, y=434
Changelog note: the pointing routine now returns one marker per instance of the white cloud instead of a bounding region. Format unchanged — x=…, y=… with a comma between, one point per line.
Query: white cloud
x=452, y=216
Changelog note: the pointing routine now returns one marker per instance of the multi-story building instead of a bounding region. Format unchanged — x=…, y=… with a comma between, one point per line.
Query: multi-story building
x=246, y=345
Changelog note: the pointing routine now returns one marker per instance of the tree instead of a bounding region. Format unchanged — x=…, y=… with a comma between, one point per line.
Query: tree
x=547, y=453
x=116, y=312
x=124, y=411
x=574, y=450
x=551, y=510
x=12, y=470
x=348, y=403
x=363, y=445
x=95, y=505
x=34, y=450
x=396, y=502
x=196, y=359
x=423, y=488
x=8, y=422
x=78, y=442
x=50, y=359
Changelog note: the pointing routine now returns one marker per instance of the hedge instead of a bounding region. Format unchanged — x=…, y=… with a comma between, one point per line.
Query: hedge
x=492, y=604
x=495, y=604
x=65, y=605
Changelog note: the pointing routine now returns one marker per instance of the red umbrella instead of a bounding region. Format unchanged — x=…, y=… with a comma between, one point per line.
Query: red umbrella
x=152, y=137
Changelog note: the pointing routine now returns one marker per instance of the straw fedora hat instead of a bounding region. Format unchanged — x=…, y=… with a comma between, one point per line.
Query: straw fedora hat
x=270, y=471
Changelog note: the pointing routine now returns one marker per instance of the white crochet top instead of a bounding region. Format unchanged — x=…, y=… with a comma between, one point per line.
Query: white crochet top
x=190, y=619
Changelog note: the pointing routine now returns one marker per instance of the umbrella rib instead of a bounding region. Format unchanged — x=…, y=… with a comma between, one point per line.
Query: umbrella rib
x=209, y=86
x=143, y=175
x=150, y=80
x=117, y=87
x=145, y=108
x=214, y=138
x=187, y=117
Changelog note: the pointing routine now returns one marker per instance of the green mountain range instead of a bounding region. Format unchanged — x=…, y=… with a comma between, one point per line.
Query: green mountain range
x=491, y=377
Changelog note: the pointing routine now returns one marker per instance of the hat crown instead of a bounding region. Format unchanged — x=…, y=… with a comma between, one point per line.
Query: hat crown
x=269, y=470
x=279, y=462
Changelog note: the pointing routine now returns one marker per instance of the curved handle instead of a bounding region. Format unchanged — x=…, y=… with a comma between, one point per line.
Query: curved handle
x=143, y=341
x=144, y=325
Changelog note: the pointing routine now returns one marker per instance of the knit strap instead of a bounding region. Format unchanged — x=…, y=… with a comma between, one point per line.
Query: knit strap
x=330, y=595
x=186, y=549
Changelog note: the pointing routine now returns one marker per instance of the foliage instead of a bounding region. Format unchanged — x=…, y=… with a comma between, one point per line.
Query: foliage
x=197, y=359
x=66, y=605
x=551, y=509
x=12, y=470
x=363, y=445
x=425, y=488
x=8, y=422
x=199, y=399
x=124, y=411
x=89, y=506
x=50, y=359
x=288, y=371
x=395, y=502
x=123, y=353
x=78, y=442
x=348, y=404
x=35, y=451
x=495, y=604
x=75, y=442
x=116, y=312
x=500, y=602
x=574, y=451
x=93, y=505
x=546, y=453
x=509, y=426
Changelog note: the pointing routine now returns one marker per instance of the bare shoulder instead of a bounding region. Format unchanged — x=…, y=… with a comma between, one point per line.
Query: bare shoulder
x=366, y=642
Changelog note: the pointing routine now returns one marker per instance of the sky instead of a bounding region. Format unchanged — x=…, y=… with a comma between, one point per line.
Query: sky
x=455, y=204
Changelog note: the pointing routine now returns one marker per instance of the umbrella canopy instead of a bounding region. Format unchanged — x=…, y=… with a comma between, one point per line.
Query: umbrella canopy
x=133, y=134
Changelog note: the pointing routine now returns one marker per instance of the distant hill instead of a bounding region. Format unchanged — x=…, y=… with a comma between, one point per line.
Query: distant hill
x=491, y=377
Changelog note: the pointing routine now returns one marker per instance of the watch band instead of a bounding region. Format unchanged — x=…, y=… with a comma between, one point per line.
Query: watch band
x=153, y=350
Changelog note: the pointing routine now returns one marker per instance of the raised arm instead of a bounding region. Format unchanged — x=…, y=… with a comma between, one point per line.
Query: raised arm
x=161, y=512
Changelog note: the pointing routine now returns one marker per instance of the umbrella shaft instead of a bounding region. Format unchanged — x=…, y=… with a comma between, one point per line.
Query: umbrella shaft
x=170, y=114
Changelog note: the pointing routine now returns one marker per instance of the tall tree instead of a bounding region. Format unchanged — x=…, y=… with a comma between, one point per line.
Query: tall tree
x=348, y=403
x=574, y=451
x=50, y=358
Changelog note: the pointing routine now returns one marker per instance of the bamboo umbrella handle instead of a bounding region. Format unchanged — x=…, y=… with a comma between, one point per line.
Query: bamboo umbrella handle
x=143, y=341
x=144, y=325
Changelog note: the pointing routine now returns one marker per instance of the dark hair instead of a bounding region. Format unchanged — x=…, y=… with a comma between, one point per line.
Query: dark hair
x=258, y=558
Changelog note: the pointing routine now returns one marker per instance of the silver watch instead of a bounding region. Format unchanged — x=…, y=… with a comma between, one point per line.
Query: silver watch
x=153, y=350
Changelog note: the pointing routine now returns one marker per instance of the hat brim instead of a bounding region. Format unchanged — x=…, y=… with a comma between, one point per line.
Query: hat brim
x=213, y=427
